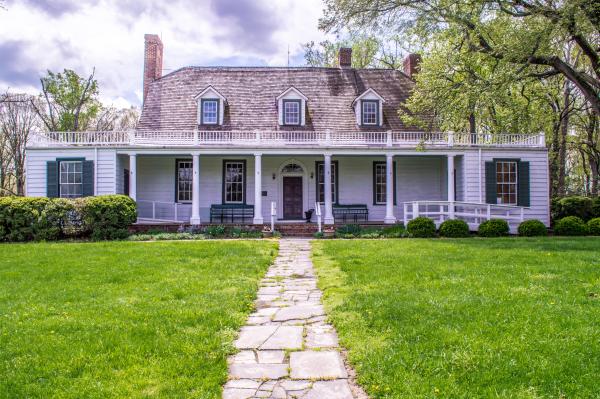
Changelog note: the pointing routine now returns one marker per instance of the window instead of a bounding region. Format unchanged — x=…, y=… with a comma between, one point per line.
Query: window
x=379, y=183
x=71, y=179
x=370, y=112
x=184, y=180
x=234, y=182
x=321, y=182
x=291, y=112
x=506, y=182
x=210, y=111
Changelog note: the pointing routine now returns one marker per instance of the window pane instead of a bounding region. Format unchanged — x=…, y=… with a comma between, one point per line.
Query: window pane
x=369, y=112
x=71, y=179
x=184, y=181
x=234, y=182
x=506, y=182
x=321, y=182
x=291, y=112
x=209, y=111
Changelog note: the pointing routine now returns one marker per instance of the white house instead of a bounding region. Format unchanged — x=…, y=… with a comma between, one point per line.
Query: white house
x=221, y=144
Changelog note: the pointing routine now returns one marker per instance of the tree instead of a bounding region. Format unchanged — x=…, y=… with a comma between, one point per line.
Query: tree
x=70, y=101
x=325, y=54
x=110, y=118
x=529, y=34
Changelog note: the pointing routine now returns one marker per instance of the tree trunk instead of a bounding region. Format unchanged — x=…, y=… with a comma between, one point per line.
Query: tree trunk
x=564, y=130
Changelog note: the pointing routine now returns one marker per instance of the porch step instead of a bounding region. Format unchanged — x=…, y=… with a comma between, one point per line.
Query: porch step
x=297, y=229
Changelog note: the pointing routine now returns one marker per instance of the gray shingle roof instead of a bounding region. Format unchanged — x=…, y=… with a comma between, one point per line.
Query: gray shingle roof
x=251, y=94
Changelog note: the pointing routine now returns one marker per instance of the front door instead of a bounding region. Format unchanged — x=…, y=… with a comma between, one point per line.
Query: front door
x=292, y=197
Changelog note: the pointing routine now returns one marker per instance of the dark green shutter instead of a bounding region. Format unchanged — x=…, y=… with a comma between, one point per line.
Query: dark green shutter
x=52, y=179
x=523, y=184
x=88, y=178
x=490, y=183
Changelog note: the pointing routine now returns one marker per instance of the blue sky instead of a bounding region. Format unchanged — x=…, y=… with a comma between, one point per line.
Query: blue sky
x=36, y=35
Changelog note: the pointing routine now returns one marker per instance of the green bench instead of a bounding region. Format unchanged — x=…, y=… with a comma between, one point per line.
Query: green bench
x=355, y=212
x=231, y=213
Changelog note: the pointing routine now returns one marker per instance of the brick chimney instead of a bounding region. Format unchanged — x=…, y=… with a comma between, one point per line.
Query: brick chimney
x=345, y=57
x=411, y=64
x=153, y=56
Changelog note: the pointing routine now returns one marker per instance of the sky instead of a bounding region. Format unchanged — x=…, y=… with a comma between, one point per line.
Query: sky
x=108, y=35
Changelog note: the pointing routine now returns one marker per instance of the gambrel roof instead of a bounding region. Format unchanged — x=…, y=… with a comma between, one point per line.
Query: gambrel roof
x=252, y=92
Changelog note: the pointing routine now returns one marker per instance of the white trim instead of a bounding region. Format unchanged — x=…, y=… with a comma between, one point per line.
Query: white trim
x=369, y=90
x=291, y=88
x=281, y=174
x=210, y=88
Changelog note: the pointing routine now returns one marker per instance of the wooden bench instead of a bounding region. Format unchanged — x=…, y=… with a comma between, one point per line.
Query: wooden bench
x=355, y=211
x=231, y=212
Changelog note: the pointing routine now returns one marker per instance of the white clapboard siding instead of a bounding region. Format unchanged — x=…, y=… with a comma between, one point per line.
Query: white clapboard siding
x=36, y=168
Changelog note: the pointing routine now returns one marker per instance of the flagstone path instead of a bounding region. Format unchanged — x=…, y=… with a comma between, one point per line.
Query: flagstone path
x=287, y=349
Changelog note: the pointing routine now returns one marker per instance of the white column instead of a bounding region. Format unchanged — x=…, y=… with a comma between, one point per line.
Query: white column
x=195, y=219
x=389, y=189
x=133, y=176
x=328, y=205
x=451, y=194
x=258, y=218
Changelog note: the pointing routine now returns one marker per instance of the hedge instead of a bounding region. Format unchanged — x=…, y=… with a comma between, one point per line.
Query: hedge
x=493, y=228
x=593, y=227
x=454, y=228
x=583, y=207
x=570, y=226
x=421, y=227
x=36, y=219
x=532, y=228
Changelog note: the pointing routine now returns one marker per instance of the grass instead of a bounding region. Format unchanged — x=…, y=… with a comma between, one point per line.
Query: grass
x=123, y=319
x=468, y=318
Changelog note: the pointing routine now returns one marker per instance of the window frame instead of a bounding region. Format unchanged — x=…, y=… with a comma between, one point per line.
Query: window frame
x=60, y=161
x=218, y=111
x=224, y=183
x=374, y=187
x=283, y=113
x=177, y=162
x=336, y=180
x=362, y=112
x=498, y=162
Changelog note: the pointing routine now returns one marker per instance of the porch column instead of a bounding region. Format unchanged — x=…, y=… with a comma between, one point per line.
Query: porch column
x=195, y=219
x=133, y=176
x=389, y=190
x=258, y=218
x=451, y=194
x=328, y=206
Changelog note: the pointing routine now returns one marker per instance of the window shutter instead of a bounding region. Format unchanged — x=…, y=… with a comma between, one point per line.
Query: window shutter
x=88, y=178
x=490, y=183
x=52, y=179
x=523, y=184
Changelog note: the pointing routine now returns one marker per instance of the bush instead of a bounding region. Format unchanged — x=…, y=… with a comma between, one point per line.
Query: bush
x=396, y=231
x=318, y=234
x=22, y=219
x=454, y=228
x=348, y=231
x=593, y=226
x=421, y=227
x=582, y=207
x=108, y=217
x=570, y=226
x=532, y=228
x=215, y=231
x=596, y=208
x=493, y=228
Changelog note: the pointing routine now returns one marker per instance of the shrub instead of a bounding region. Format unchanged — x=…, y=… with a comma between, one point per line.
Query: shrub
x=396, y=231
x=582, y=207
x=596, y=207
x=570, y=226
x=215, y=231
x=421, y=227
x=454, y=228
x=493, y=228
x=108, y=217
x=22, y=219
x=318, y=234
x=348, y=230
x=593, y=226
x=532, y=228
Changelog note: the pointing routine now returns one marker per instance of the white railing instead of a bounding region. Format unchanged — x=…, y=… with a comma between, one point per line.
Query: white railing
x=473, y=213
x=278, y=138
x=164, y=211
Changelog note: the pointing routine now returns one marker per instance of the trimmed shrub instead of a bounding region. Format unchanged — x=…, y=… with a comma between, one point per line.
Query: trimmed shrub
x=532, y=228
x=593, y=226
x=596, y=207
x=22, y=219
x=215, y=231
x=348, y=230
x=570, y=226
x=421, y=227
x=493, y=228
x=454, y=228
x=582, y=207
x=396, y=231
x=108, y=217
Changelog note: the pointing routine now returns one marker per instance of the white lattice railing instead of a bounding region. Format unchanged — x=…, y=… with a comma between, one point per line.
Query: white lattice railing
x=471, y=212
x=241, y=138
x=163, y=211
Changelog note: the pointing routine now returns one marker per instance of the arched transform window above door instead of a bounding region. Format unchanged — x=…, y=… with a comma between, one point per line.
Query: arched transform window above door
x=292, y=168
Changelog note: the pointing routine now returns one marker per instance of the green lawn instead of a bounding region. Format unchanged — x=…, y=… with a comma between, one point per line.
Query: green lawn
x=121, y=319
x=471, y=318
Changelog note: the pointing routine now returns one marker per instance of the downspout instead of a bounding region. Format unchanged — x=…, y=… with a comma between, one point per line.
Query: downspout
x=95, y=170
x=480, y=179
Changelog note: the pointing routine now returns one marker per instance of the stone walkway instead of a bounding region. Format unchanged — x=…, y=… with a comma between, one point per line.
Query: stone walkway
x=287, y=349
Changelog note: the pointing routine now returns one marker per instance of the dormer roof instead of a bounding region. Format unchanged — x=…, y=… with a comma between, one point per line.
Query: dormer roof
x=292, y=89
x=367, y=92
x=208, y=90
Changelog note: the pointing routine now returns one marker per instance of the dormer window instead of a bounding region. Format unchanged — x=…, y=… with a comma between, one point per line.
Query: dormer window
x=369, y=108
x=370, y=112
x=211, y=106
x=291, y=106
x=291, y=112
x=210, y=111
